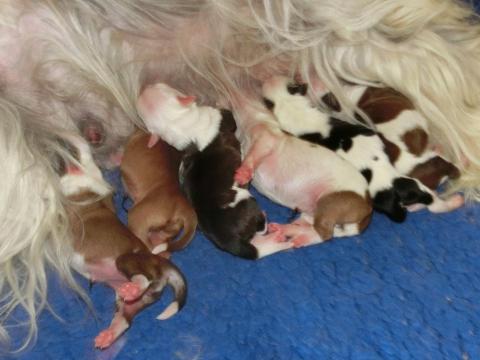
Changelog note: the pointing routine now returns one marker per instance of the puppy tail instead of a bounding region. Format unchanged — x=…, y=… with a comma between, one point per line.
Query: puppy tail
x=190, y=225
x=172, y=276
x=160, y=273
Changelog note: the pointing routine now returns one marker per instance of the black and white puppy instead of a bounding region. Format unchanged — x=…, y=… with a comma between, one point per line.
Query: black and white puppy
x=404, y=130
x=361, y=146
x=227, y=213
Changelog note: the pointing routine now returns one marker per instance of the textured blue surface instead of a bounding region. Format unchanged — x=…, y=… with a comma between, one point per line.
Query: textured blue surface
x=408, y=291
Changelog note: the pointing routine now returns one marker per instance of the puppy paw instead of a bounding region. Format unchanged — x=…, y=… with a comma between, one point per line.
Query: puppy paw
x=456, y=201
x=129, y=291
x=243, y=175
x=300, y=241
x=104, y=339
x=273, y=227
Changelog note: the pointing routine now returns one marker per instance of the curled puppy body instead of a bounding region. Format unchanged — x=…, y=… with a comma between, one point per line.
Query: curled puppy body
x=106, y=251
x=328, y=191
x=227, y=213
x=362, y=147
x=73, y=59
x=160, y=211
x=405, y=130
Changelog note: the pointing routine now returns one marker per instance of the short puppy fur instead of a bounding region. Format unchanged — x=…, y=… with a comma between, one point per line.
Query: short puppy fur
x=404, y=131
x=330, y=194
x=363, y=147
x=106, y=251
x=160, y=211
x=227, y=213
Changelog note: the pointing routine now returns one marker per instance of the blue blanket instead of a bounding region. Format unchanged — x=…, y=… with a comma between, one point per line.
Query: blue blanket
x=398, y=291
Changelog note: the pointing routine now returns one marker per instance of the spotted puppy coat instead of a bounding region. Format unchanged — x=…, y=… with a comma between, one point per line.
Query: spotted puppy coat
x=364, y=148
x=227, y=213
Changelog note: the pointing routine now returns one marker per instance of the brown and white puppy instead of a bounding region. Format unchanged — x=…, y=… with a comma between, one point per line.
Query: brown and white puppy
x=328, y=191
x=106, y=251
x=227, y=213
x=405, y=131
x=160, y=211
x=361, y=146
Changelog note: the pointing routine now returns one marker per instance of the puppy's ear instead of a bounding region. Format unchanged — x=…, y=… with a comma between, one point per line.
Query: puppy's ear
x=387, y=202
x=409, y=192
x=186, y=100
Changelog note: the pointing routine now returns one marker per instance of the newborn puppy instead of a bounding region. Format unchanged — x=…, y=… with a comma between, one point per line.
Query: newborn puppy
x=227, y=213
x=160, y=210
x=106, y=251
x=405, y=130
x=359, y=145
x=328, y=191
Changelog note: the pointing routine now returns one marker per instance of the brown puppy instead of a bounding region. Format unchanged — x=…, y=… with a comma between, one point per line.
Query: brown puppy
x=160, y=210
x=106, y=251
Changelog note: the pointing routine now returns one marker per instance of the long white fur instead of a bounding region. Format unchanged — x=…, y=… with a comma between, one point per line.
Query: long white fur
x=64, y=61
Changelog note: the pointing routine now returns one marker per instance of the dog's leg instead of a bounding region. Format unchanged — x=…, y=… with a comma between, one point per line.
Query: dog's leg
x=259, y=150
x=270, y=243
x=118, y=326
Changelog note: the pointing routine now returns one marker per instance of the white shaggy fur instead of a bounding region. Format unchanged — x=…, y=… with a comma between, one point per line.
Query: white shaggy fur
x=65, y=61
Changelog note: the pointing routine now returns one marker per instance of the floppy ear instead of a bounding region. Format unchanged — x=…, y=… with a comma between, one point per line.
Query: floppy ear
x=186, y=100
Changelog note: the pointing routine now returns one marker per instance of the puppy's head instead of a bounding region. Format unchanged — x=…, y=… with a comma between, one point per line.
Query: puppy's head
x=279, y=89
x=81, y=172
x=409, y=192
x=168, y=113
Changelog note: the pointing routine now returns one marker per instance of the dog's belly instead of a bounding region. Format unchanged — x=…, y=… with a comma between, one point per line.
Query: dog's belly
x=295, y=176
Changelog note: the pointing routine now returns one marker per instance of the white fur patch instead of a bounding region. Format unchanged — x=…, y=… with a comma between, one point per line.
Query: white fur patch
x=171, y=310
x=240, y=195
x=141, y=280
x=178, y=124
x=346, y=230
x=160, y=248
x=78, y=264
x=88, y=178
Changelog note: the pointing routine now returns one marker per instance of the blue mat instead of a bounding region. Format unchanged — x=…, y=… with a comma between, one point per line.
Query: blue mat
x=408, y=291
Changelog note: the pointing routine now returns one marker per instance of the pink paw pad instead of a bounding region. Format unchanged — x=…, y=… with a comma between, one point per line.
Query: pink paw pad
x=129, y=291
x=243, y=175
x=456, y=201
x=279, y=235
x=300, y=241
x=273, y=227
x=104, y=339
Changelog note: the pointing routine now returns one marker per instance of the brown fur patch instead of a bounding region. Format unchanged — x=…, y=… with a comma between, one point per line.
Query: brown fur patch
x=416, y=141
x=340, y=208
x=392, y=150
x=431, y=172
x=383, y=104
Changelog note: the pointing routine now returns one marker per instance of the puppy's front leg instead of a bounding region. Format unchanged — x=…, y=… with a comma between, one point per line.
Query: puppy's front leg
x=261, y=148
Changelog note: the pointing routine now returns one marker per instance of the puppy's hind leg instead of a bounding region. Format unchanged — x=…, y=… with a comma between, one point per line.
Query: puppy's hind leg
x=273, y=242
x=343, y=213
x=159, y=272
x=300, y=232
x=118, y=326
